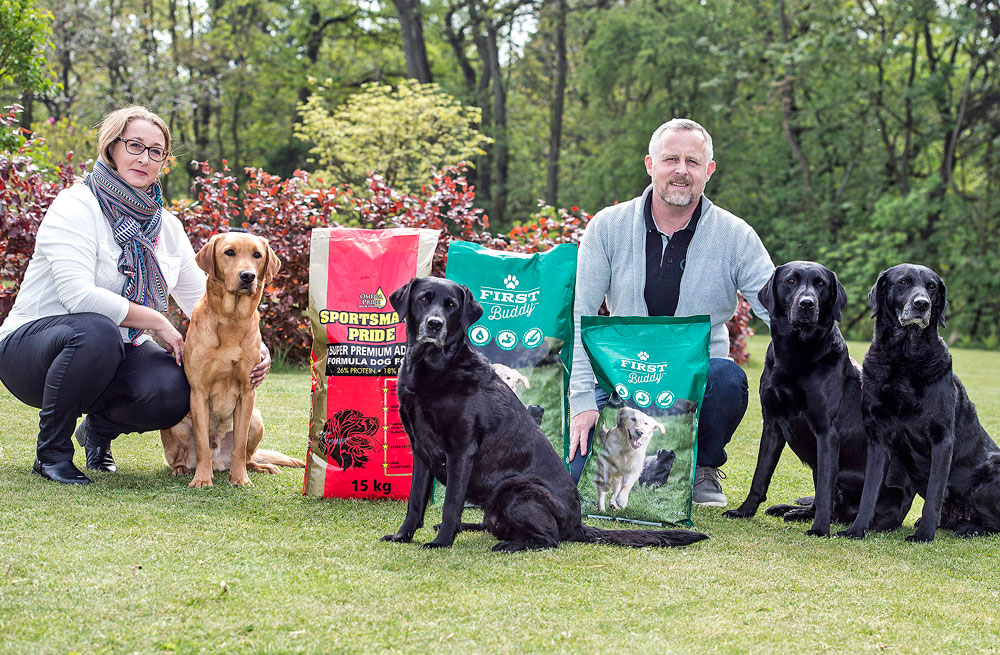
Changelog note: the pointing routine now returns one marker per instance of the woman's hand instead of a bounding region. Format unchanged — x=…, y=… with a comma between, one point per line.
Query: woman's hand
x=258, y=372
x=144, y=318
x=171, y=340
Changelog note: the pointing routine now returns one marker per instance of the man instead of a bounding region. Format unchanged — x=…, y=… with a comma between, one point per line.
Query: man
x=671, y=252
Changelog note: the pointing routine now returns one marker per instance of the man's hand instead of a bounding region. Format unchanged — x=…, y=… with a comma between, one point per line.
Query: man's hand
x=579, y=431
x=258, y=372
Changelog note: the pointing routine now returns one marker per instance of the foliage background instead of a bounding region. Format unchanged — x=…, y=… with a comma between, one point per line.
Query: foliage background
x=860, y=133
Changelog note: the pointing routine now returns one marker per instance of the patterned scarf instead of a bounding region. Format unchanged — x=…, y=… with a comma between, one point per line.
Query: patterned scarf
x=135, y=217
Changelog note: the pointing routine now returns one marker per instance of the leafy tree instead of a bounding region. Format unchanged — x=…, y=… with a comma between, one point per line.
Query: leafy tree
x=402, y=133
x=24, y=32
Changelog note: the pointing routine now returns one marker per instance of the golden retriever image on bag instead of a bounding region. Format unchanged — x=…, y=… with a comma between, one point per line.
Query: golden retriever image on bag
x=623, y=456
x=223, y=429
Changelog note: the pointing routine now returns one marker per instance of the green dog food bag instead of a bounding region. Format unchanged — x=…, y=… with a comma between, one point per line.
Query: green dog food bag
x=527, y=326
x=640, y=467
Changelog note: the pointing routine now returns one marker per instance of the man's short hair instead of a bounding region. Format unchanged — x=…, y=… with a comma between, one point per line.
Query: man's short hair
x=678, y=124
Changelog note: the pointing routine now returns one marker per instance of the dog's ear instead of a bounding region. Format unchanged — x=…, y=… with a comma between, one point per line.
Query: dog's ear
x=877, y=295
x=206, y=257
x=767, y=295
x=472, y=311
x=272, y=265
x=400, y=298
x=658, y=427
x=941, y=301
x=839, y=297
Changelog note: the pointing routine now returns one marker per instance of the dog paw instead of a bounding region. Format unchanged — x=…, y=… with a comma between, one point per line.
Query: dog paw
x=509, y=547
x=968, y=530
x=737, y=514
x=181, y=470
x=851, y=534
x=920, y=539
x=200, y=483
x=435, y=544
x=798, y=515
x=398, y=538
x=242, y=481
x=818, y=532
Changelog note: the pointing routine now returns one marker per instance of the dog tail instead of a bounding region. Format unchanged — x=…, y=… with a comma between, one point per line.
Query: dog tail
x=277, y=459
x=641, y=538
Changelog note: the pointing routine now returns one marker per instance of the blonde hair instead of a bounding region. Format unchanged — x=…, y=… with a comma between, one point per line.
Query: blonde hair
x=113, y=125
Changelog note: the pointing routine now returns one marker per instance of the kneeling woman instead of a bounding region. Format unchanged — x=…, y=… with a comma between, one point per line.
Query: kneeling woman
x=77, y=340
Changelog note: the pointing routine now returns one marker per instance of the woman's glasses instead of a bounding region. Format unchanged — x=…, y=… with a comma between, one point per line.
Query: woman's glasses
x=134, y=147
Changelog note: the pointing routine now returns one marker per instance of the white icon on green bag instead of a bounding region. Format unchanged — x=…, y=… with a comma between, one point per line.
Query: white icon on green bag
x=479, y=335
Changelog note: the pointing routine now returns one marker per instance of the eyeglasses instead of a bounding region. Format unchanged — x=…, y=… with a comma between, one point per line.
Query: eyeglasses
x=134, y=147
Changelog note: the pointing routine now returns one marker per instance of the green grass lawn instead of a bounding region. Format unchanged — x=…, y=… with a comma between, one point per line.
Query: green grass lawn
x=137, y=562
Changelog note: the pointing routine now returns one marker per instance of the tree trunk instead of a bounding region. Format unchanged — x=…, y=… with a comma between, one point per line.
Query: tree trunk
x=501, y=151
x=412, y=28
x=558, y=97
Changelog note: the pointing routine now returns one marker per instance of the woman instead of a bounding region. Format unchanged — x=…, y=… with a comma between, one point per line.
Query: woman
x=78, y=339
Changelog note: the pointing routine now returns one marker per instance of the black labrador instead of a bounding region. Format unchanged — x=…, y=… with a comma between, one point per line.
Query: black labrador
x=810, y=395
x=469, y=430
x=917, y=411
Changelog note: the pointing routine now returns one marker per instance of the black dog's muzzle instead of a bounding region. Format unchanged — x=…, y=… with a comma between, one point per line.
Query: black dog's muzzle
x=432, y=330
x=916, y=311
x=804, y=309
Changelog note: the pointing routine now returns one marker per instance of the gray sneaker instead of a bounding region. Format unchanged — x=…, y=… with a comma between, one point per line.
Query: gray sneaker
x=707, y=488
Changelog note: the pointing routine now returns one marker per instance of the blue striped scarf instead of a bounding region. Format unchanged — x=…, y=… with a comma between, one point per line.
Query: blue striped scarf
x=135, y=217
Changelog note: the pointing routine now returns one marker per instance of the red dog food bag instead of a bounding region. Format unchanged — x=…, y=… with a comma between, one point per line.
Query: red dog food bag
x=357, y=445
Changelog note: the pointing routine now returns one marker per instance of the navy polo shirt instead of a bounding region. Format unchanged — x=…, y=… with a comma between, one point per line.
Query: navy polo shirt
x=665, y=260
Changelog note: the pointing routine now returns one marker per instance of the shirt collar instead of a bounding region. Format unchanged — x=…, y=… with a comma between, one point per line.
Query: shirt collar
x=647, y=214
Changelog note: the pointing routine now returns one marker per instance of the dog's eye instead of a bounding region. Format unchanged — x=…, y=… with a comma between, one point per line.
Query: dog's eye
x=257, y=255
x=903, y=282
x=230, y=252
x=423, y=299
x=791, y=280
x=821, y=283
x=931, y=286
x=450, y=304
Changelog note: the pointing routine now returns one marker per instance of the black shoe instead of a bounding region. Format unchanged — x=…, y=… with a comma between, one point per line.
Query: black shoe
x=98, y=458
x=64, y=472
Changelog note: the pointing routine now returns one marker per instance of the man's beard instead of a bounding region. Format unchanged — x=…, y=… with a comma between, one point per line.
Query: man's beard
x=677, y=198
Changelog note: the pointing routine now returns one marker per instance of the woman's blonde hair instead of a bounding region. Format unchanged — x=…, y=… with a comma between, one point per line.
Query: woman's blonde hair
x=113, y=125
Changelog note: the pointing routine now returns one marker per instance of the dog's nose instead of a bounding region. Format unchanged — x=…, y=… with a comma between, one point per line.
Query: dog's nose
x=921, y=304
x=807, y=303
x=434, y=323
x=247, y=276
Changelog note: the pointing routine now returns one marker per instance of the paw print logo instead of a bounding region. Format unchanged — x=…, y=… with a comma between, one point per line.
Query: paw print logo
x=510, y=282
x=643, y=355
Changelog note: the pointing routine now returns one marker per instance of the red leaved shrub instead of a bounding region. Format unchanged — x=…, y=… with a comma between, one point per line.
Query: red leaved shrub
x=740, y=331
x=26, y=191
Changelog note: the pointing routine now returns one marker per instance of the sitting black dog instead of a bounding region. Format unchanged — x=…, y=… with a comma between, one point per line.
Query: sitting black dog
x=810, y=397
x=916, y=410
x=656, y=468
x=470, y=431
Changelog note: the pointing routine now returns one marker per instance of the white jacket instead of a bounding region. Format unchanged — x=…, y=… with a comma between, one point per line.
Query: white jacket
x=74, y=268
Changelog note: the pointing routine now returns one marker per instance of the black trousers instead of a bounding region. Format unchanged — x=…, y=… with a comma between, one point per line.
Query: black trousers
x=77, y=364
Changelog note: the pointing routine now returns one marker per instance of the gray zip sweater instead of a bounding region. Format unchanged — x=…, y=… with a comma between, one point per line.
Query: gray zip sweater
x=725, y=255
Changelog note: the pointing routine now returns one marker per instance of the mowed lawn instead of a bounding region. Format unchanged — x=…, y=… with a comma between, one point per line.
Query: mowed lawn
x=138, y=562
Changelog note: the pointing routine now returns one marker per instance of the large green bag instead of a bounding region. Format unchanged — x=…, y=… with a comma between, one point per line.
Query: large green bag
x=640, y=467
x=526, y=330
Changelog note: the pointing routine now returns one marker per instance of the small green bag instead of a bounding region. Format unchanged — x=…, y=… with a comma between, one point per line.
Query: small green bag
x=526, y=330
x=640, y=466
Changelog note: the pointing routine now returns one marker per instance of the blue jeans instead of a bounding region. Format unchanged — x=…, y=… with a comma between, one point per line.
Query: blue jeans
x=725, y=403
x=73, y=364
